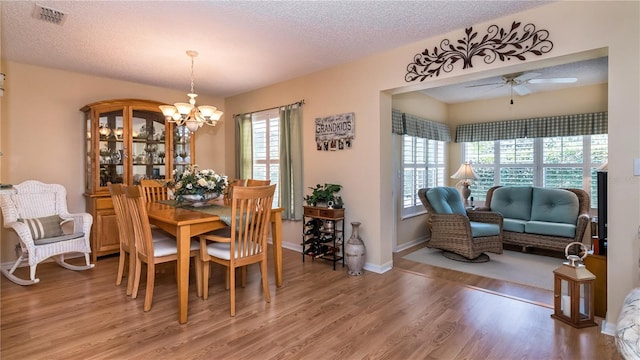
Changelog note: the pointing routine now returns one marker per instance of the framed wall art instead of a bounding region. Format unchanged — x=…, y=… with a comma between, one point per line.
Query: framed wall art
x=335, y=132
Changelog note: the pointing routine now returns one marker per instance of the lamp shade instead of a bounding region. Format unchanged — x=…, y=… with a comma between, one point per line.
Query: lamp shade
x=465, y=172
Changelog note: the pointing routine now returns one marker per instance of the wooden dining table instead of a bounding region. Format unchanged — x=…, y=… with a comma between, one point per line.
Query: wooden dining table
x=185, y=222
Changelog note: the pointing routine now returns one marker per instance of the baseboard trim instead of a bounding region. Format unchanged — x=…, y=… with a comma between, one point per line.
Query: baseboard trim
x=412, y=243
x=608, y=328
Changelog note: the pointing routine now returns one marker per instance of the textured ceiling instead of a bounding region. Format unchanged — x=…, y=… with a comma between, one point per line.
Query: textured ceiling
x=243, y=45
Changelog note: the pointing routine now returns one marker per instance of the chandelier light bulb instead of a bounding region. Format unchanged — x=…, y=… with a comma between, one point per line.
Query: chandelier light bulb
x=188, y=114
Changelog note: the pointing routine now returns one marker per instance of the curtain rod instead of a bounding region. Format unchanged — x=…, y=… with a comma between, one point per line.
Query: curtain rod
x=301, y=102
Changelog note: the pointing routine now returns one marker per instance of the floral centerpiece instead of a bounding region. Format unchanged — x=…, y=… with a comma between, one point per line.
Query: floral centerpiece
x=197, y=185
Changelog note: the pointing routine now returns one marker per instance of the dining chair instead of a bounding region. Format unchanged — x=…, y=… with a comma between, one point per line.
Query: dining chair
x=229, y=190
x=247, y=243
x=154, y=190
x=125, y=234
x=152, y=252
x=256, y=182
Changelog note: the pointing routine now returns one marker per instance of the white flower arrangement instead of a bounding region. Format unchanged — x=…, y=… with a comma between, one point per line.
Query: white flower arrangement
x=197, y=182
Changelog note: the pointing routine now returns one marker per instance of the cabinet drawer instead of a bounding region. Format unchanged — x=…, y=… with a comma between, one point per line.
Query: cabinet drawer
x=104, y=203
x=324, y=213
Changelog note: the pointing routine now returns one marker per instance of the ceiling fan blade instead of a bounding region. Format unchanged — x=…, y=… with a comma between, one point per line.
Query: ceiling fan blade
x=521, y=89
x=526, y=77
x=497, y=83
x=553, y=81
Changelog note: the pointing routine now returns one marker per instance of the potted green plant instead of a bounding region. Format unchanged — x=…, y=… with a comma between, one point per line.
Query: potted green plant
x=322, y=194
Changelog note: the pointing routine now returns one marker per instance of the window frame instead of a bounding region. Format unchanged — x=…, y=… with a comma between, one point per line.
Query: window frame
x=271, y=156
x=588, y=166
x=428, y=169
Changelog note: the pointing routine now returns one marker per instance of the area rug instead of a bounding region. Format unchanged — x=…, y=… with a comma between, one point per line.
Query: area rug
x=526, y=269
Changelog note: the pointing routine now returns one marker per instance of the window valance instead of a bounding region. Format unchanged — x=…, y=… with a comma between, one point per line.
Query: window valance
x=407, y=124
x=550, y=126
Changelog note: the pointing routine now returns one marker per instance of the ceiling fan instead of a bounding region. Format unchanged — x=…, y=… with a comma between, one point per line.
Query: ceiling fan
x=519, y=81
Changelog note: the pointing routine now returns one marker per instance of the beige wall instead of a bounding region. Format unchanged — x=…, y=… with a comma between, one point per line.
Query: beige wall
x=412, y=230
x=579, y=31
x=42, y=128
x=364, y=87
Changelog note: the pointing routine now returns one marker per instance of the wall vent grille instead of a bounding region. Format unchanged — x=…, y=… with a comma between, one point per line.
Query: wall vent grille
x=49, y=14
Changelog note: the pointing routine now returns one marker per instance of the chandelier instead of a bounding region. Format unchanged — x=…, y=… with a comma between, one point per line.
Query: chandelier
x=188, y=114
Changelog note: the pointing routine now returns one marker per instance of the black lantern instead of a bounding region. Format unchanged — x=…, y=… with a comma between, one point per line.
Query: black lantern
x=573, y=291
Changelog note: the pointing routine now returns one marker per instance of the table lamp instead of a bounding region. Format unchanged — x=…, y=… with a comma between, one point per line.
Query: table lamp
x=465, y=173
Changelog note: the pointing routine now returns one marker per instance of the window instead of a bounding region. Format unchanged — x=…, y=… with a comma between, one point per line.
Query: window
x=266, y=146
x=422, y=166
x=568, y=161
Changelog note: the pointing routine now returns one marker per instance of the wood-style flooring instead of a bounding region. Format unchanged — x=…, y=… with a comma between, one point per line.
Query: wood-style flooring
x=317, y=314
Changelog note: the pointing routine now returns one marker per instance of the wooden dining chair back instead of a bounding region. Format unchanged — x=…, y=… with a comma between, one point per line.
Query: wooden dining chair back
x=125, y=233
x=154, y=190
x=256, y=182
x=149, y=250
x=229, y=190
x=250, y=212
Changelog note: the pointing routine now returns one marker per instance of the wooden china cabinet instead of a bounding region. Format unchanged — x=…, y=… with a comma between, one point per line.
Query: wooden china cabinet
x=127, y=140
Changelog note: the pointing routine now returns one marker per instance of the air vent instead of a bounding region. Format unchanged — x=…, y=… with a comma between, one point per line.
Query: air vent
x=49, y=14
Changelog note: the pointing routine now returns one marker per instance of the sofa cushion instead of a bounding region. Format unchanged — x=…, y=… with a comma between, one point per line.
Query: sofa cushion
x=446, y=200
x=484, y=229
x=554, y=205
x=550, y=228
x=512, y=202
x=514, y=225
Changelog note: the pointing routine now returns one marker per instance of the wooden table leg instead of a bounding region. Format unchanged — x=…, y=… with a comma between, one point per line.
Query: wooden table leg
x=276, y=237
x=183, y=241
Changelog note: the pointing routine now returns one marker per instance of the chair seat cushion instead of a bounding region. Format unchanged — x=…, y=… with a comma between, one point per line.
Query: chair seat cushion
x=44, y=227
x=166, y=247
x=55, y=239
x=479, y=229
x=221, y=250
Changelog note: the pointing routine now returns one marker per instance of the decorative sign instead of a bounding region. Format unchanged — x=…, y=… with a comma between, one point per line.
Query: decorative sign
x=497, y=43
x=335, y=132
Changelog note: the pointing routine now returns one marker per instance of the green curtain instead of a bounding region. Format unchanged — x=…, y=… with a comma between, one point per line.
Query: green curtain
x=244, y=147
x=290, y=177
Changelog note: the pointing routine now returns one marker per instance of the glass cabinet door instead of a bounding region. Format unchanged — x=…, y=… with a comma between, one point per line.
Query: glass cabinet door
x=182, y=145
x=148, y=151
x=111, y=147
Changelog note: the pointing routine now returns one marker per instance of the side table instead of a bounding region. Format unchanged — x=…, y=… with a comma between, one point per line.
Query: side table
x=597, y=265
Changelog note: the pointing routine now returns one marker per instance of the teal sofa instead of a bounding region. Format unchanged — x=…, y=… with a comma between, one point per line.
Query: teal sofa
x=540, y=217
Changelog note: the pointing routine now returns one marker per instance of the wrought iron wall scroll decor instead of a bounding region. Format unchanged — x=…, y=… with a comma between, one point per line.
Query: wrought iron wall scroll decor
x=497, y=43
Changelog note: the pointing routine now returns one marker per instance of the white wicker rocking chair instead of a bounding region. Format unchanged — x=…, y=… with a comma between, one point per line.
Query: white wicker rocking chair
x=31, y=210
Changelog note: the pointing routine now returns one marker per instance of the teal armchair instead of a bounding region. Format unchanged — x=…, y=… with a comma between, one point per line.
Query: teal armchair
x=456, y=230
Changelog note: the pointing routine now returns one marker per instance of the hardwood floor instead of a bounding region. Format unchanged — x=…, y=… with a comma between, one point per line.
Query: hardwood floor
x=317, y=314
